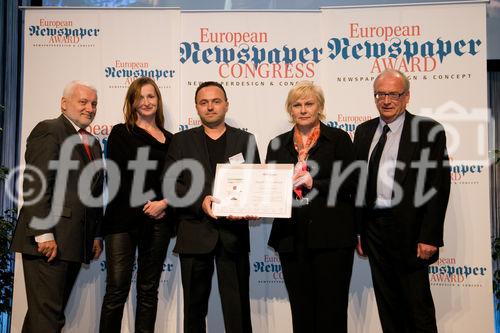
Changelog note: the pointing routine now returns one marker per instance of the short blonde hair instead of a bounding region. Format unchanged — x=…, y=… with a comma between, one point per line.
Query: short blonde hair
x=304, y=89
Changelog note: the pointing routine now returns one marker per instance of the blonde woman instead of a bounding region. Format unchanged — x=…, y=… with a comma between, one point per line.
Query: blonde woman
x=315, y=245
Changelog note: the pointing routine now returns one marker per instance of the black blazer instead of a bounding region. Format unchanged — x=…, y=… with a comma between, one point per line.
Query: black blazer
x=326, y=226
x=122, y=147
x=422, y=223
x=197, y=233
x=77, y=225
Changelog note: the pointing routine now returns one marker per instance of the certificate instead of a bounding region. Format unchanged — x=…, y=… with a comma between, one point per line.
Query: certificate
x=263, y=190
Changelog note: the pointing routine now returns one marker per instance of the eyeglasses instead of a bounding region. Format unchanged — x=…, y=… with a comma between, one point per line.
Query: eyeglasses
x=392, y=95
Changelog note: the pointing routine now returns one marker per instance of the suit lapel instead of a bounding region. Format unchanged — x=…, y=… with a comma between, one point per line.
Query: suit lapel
x=322, y=137
x=366, y=139
x=69, y=131
x=96, y=150
x=231, y=142
x=290, y=147
x=201, y=146
x=68, y=126
x=97, y=181
x=405, y=150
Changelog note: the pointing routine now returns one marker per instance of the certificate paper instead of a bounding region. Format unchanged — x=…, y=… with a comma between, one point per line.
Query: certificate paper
x=263, y=190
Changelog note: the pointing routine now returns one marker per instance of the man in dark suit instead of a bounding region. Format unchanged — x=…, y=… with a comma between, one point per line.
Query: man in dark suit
x=57, y=227
x=201, y=236
x=401, y=222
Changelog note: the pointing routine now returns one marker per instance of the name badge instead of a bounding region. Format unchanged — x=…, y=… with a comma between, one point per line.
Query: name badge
x=237, y=159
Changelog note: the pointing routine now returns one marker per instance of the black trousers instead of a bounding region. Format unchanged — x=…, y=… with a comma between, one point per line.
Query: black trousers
x=403, y=293
x=233, y=273
x=151, y=243
x=318, y=282
x=48, y=287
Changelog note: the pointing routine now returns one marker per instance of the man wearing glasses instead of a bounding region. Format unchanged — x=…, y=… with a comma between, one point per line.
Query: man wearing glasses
x=407, y=190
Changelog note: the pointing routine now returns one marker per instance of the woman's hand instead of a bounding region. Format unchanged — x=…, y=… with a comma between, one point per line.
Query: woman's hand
x=302, y=178
x=155, y=209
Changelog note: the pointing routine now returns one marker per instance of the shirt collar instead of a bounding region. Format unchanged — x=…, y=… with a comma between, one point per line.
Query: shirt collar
x=395, y=125
x=77, y=128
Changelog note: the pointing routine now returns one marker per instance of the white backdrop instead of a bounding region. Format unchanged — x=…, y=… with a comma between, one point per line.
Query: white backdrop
x=258, y=56
x=451, y=89
x=126, y=43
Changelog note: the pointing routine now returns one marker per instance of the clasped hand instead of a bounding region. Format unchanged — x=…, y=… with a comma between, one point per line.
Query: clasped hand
x=155, y=209
x=302, y=177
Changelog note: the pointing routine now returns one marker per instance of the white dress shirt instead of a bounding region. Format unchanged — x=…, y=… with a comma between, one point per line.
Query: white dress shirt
x=388, y=160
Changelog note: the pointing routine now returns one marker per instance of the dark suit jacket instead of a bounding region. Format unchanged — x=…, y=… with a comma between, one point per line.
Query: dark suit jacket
x=416, y=223
x=77, y=225
x=197, y=233
x=327, y=226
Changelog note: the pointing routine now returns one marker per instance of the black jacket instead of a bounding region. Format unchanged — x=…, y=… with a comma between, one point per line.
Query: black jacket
x=122, y=148
x=319, y=224
x=197, y=233
x=418, y=223
x=76, y=225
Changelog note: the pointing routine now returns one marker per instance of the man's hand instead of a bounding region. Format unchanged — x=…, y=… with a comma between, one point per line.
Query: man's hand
x=155, y=209
x=97, y=248
x=206, y=205
x=48, y=249
x=359, y=248
x=207, y=208
x=246, y=217
x=425, y=251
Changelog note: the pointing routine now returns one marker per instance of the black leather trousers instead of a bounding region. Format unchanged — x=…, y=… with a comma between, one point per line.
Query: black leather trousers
x=151, y=243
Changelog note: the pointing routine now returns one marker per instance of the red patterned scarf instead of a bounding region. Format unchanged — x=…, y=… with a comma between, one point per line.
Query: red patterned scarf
x=303, y=149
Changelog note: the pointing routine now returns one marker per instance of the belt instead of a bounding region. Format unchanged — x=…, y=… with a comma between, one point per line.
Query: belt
x=301, y=202
x=380, y=212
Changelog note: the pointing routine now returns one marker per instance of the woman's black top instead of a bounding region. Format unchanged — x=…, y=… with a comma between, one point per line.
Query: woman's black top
x=121, y=215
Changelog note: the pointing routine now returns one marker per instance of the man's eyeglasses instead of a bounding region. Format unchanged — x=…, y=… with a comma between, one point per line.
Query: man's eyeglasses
x=392, y=95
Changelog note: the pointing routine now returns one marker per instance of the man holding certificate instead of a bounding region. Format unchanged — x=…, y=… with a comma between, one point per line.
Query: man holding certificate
x=202, y=238
x=315, y=245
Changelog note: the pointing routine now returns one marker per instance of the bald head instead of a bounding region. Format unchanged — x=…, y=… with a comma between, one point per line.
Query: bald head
x=395, y=74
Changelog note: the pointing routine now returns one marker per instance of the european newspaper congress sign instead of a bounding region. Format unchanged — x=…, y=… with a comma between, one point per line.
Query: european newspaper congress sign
x=258, y=57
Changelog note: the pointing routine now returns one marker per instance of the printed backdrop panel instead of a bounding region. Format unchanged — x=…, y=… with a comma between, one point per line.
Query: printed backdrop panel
x=258, y=57
x=442, y=49
x=108, y=49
